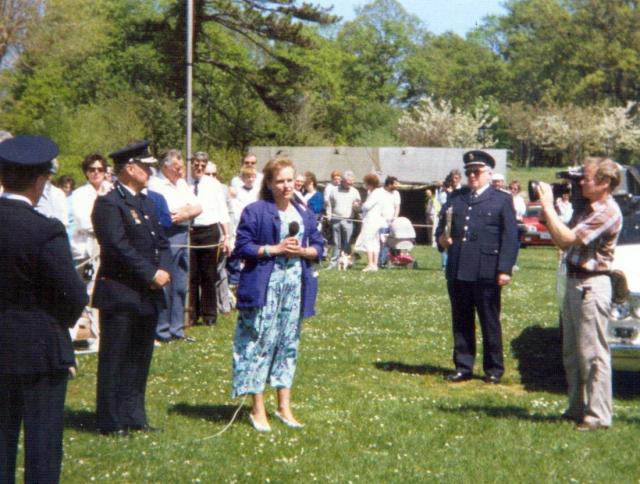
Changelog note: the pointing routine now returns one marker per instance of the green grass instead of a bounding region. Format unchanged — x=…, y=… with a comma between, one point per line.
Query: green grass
x=369, y=388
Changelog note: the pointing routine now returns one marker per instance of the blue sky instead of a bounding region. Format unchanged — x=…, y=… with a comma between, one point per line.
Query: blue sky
x=439, y=16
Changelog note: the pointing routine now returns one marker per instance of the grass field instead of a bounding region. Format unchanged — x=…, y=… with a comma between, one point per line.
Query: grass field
x=369, y=388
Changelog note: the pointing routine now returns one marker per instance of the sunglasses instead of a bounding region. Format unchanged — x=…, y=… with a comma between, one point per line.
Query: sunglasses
x=93, y=169
x=474, y=171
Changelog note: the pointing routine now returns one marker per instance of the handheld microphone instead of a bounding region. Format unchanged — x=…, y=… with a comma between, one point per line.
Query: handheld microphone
x=294, y=228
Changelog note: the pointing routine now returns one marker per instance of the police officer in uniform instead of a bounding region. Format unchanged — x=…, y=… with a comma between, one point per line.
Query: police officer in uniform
x=134, y=268
x=478, y=228
x=41, y=297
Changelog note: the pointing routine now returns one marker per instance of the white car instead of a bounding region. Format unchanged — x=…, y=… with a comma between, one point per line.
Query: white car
x=623, y=331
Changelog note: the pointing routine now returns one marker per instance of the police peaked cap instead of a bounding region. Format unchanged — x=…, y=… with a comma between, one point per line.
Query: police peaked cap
x=133, y=153
x=28, y=151
x=478, y=157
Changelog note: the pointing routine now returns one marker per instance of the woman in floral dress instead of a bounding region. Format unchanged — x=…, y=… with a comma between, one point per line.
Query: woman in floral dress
x=278, y=240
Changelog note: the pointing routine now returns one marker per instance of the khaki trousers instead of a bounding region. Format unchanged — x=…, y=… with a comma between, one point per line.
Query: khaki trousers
x=585, y=352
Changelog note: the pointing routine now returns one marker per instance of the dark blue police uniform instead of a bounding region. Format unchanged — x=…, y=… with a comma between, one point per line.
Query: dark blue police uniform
x=485, y=243
x=133, y=248
x=41, y=297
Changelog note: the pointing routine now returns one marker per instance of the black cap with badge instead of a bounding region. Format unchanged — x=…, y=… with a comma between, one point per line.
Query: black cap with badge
x=478, y=158
x=133, y=153
x=26, y=151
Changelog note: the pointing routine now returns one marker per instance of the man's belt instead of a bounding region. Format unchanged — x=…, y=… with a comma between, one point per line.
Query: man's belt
x=577, y=272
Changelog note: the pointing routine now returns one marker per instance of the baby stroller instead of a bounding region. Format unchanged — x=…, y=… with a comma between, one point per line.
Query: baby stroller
x=401, y=240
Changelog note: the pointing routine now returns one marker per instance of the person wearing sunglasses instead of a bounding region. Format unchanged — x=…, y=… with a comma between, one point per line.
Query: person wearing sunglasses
x=477, y=227
x=83, y=241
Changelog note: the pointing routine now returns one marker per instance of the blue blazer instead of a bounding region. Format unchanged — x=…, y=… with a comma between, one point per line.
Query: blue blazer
x=260, y=225
x=484, y=233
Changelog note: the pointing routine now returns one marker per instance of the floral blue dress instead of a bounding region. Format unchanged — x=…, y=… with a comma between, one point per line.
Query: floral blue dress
x=265, y=346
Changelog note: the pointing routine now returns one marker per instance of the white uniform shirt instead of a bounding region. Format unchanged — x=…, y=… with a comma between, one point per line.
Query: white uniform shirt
x=212, y=199
x=177, y=196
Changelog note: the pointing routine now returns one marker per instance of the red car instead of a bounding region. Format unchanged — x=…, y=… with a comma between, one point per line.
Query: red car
x=532, y=230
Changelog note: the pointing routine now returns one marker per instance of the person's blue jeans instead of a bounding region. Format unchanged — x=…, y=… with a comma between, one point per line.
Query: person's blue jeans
x=383, y=257
x=171, y=319
x=342, y=231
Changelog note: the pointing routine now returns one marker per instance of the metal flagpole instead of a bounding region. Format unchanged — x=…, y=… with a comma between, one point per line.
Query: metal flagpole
x=188, y=123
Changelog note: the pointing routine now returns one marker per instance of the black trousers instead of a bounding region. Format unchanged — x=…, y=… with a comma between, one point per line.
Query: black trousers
x=467, y=299
x=203, y=273
x=38, y=402
x=126, y=347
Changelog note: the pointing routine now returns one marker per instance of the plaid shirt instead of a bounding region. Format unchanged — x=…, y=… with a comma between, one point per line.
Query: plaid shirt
x=597, y=229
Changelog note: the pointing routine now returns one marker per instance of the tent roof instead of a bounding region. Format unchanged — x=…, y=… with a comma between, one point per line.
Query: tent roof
x=411, y=165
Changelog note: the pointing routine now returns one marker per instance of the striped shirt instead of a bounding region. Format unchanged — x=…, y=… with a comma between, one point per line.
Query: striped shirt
x=597, y=229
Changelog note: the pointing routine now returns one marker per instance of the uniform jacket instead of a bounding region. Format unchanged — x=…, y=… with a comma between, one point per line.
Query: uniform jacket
x=484, y=233
x=41, y=295
x=132, y=248
x=260, y=225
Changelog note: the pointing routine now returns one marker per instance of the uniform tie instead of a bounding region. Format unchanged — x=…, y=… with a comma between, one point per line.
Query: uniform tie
x=195, y=186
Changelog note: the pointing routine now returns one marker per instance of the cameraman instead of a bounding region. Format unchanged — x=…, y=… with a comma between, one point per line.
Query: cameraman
x=589, y=247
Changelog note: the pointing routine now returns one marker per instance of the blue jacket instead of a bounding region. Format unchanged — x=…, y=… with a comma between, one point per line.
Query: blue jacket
x=260, y=225
x=484, y=233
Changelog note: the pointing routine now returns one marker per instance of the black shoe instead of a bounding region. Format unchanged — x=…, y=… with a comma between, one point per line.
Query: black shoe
x=144, y=428
x=492, y=379
x=458, y=377
x=115, y=432
x=185, y=338
x=163, y=340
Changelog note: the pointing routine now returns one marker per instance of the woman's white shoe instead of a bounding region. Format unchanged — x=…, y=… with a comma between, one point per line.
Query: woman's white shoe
x=260, y=427
x=289, y=423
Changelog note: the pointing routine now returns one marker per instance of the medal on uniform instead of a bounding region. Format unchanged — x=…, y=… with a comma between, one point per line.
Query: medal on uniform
x=135, y=216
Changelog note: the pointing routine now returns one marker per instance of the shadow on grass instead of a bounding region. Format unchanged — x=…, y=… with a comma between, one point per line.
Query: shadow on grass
x=508, y=411
x=213, y=413
x=626, y=385
x=82, y=420
x=411, y=369
x=538, y=351
x=521, y=413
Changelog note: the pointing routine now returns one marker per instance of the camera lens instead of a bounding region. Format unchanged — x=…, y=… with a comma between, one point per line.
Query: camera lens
x=533, y=190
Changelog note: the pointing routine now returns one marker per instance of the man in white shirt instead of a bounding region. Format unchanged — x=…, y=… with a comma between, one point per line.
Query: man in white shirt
x=343, y=201
x=184, y=207
x=248, y=161
x=211, y=227
x=390, y=211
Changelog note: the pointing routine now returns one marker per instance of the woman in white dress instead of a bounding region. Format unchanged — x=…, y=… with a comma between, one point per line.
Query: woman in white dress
x=369, y=239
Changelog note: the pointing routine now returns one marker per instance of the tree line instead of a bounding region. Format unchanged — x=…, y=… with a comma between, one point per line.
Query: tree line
x=549, y=79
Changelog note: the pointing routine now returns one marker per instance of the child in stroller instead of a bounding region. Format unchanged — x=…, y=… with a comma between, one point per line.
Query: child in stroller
x=401, y=240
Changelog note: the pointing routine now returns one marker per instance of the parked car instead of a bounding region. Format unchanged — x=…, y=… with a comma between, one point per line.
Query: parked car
x=532, y=230
x=623, y=333
x=623, y=330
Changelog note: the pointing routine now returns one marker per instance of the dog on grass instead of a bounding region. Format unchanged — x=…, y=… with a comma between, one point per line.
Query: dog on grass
x=343, y=262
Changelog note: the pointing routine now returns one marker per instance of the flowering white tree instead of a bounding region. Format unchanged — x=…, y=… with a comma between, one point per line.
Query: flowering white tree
x=573, y=131
x=439, y=124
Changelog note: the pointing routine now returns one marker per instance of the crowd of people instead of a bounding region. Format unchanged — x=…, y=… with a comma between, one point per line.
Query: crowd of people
x=157, y=240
